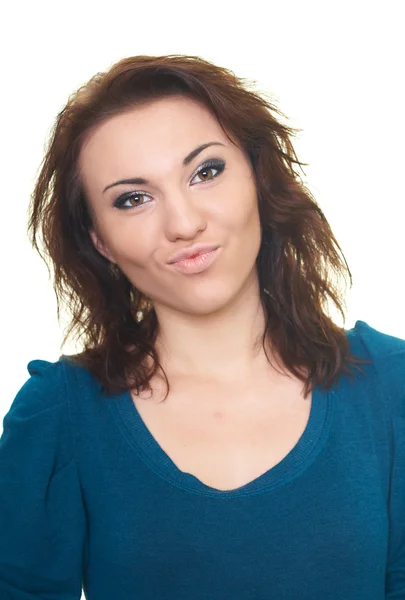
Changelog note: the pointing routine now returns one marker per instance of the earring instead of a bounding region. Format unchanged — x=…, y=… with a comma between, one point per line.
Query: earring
x=114, y=270
x=145, y=306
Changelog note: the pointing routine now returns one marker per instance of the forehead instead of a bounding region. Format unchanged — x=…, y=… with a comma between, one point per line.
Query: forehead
x=148, y=141
x=168, y=121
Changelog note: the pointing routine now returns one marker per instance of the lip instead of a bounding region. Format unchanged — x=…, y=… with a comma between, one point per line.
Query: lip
x=192, y=251
x=198, y=264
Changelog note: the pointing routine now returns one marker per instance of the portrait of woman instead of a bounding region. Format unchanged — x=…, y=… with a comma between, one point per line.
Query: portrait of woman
x=218, y=435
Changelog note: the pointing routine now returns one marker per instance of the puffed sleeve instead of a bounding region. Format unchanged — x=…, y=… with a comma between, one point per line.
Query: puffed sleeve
x=394, y=377
x=388, y=356
x=42, y=517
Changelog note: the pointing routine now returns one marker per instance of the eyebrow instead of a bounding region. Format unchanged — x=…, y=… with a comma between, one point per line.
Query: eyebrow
x=186, y=161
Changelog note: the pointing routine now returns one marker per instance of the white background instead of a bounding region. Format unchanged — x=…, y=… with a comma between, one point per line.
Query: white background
x=335, y=69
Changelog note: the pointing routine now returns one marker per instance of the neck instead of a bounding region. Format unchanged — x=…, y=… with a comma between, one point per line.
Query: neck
x=225, y=346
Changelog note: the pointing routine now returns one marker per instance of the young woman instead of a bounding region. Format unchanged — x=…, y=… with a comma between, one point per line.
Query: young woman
x=218, y=436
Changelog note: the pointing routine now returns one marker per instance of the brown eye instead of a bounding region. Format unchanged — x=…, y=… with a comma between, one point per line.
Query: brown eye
x=205, y=174
x=208, y=171
x=135, y=200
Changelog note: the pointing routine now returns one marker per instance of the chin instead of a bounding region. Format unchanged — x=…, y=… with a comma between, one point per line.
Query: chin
x=207, y=299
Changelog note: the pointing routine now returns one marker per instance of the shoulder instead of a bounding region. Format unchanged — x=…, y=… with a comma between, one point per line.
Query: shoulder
x=375, y=342
x=37, y=426
x=42, y=390
x=386, y=354
x=49, y=386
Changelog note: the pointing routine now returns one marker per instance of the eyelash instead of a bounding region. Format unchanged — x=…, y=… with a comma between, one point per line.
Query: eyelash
x=218, y=165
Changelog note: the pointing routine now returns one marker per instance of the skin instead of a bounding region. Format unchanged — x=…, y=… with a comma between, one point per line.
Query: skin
x=230, y=416
x=209, y=323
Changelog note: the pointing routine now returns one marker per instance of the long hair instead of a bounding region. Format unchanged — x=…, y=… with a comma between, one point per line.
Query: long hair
x=300, y=265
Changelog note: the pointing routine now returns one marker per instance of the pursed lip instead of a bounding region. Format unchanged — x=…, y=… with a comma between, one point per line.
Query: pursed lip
x=195, y=250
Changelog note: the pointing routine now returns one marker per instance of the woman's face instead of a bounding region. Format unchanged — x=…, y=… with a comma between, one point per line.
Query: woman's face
x=175, y=207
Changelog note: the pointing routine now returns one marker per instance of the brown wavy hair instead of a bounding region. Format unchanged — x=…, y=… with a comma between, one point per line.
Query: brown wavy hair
x=300, y=263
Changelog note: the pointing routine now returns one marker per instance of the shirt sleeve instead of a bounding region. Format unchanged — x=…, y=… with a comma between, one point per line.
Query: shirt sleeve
x=388, y=355
x=42, y=517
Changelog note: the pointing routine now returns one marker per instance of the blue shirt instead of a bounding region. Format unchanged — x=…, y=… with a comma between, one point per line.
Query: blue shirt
x=88, y=498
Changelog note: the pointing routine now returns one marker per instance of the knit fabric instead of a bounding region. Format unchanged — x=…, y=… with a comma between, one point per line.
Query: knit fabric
x=88, y=498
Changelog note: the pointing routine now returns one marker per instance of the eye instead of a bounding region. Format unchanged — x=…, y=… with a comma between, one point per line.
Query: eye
x=139, y=198
x=206, y=169
x=134, y=198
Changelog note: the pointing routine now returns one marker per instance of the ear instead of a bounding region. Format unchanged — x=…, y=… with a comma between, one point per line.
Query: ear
x=100, y=246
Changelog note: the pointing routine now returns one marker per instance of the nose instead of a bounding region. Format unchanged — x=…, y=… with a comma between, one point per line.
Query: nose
x=182, y=217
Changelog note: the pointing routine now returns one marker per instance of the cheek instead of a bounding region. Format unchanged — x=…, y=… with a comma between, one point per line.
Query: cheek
x=245, y=228
x=130, y=243
x=240, y=213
